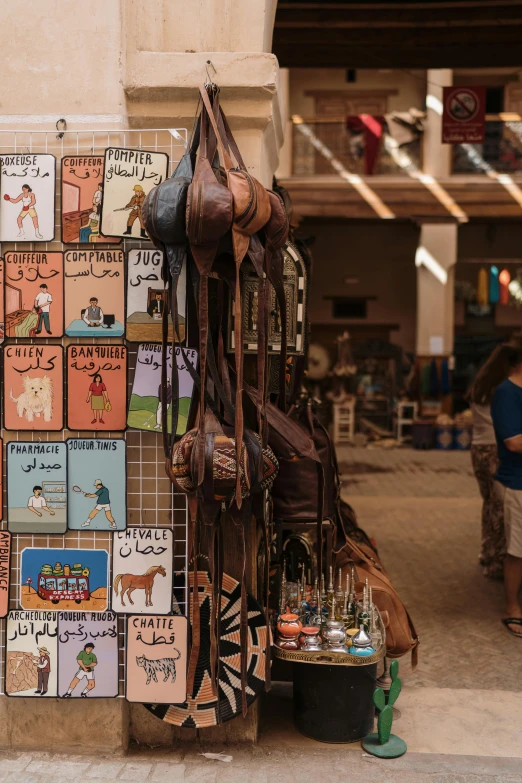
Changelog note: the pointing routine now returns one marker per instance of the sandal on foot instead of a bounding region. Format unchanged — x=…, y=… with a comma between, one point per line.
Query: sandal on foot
x=507, y=621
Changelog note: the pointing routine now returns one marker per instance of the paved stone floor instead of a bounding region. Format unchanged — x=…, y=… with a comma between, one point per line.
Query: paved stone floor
x=423, y=510
x=257, y=765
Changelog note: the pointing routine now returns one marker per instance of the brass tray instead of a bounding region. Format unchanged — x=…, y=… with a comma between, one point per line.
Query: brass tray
x=325, y=658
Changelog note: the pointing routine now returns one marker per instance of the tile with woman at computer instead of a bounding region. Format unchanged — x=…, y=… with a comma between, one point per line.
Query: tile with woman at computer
x=94, y=293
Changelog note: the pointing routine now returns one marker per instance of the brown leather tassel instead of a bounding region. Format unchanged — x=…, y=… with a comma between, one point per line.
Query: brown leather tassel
x=196, y=619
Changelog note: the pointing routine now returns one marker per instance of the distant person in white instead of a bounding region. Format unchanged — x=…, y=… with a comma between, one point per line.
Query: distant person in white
x=37, y=502
x=93, y=315
x=42, y=304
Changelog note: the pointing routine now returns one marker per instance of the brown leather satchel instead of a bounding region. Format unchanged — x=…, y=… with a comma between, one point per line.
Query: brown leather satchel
x=251, y=212
x=401, y=637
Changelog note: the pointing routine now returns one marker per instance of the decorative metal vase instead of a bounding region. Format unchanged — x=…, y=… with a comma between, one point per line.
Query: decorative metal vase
x=334, y=636
x=310, y=639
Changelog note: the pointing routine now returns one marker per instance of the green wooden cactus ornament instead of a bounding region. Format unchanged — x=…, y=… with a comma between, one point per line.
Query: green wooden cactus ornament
x=383, y=743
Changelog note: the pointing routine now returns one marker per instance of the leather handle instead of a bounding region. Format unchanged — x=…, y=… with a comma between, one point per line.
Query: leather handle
x=226, y=159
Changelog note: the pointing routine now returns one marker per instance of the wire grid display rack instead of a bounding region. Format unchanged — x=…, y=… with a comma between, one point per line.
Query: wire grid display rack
x=151, y=501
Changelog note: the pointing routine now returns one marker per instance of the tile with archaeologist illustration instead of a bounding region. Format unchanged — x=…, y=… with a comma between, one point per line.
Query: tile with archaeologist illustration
x=82, y=194
x=96, y=387
x=27, y=190
x=94, y=293
x=33, y=291
x=147, y=299
x=33, y=387
x=156, y=666
x=36, y=487
x=96, y=488
x=31, y=654
x=87, y=655
x=2, y=310
x=145, y=406
x=142, y=564
x=63, y=579
x=129, y=175
x=5, y=571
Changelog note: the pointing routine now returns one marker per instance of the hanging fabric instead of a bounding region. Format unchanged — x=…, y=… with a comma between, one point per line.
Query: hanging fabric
x=482, y=287
x=434, y=379
x=445, y=385
x=373, y=128
x=504, y=281
x=425, y=380
x=494, y=285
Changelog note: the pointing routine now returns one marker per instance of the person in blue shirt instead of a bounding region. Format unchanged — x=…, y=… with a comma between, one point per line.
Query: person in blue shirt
x=103, y=504
x=506, y=413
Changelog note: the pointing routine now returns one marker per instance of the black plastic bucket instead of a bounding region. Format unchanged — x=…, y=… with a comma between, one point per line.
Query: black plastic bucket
x=334, y=703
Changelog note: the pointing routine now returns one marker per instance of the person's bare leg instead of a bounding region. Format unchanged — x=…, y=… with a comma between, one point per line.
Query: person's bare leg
x=512, y=585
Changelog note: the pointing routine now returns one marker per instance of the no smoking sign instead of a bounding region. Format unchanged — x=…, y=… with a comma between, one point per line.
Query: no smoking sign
x=464, y=115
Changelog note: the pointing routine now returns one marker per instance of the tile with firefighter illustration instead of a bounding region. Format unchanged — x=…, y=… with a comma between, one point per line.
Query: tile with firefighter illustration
x=33, y=387
x=64, y=579
x=31, y=654
x=142, y=565
x=36, y=487
x=129, y=176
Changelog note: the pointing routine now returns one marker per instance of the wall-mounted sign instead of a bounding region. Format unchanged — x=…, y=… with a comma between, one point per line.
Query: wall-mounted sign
x=96, y=484
x=36, y=487
x=87, y=655
x=31, y=655
x=63, y=579
x=27, y=187
x=129, y=175
x=2, y=311
x=96, y=387
x=142, y=563
x=94, y=293
x=147, y=297
x=5, y=571
x=145, y=408
x=33, y=294
x=156, y=667
x=463, y=115
x=82, y=193
x=33, y=387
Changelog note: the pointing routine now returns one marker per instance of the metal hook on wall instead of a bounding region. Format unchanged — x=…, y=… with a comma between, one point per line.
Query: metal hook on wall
x=61, y=130
x=210, y=84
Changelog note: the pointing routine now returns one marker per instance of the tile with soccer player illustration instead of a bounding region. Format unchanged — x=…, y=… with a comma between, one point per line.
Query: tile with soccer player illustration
x=96, y=486
x=87, y=655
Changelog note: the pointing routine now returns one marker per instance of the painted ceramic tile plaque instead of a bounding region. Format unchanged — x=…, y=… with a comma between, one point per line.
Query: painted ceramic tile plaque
x=63, y=579
x=33, y=387
x=96, y=493
x=5, y=572
x=27, y=188
x=96, y=387
x=94, y=293
x=33, y=294
x=2, y=310
x=36, y=487
x=128, y=176
x=31, y=654
x=82, y=193
x=142, y=560
x=145, y=409
x=147, y=299
x=87, y=655
x=156, y=670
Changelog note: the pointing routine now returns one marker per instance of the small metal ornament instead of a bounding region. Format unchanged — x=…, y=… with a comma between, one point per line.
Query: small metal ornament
x=310, y=639
x=334, y=634
x=362, y=643
x=339, y=596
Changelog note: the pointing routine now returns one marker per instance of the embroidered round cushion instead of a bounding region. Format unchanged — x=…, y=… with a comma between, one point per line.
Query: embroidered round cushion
x=224, y=467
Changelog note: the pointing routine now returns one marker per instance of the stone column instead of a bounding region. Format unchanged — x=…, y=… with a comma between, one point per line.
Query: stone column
x=436, y=156
x=435, y=259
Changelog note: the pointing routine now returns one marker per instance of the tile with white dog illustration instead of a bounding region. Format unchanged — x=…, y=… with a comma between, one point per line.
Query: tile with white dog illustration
x=33, y=387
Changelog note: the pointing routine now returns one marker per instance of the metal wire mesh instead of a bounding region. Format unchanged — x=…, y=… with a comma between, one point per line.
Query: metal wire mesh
x=151, y=501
